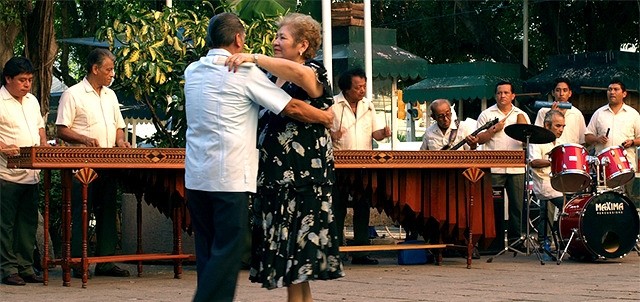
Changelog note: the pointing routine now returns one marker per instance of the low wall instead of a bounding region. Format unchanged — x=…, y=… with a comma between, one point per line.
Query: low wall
x=157, y=230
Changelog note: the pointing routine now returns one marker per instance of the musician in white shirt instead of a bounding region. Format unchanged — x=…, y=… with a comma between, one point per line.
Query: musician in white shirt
x=573, y=117
x=541, y=167
x=444, y=133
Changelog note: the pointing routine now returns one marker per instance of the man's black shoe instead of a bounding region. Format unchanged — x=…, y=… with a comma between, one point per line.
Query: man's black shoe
x=13, y=279
x=366, y=260
x=77, y=273
x=33, y=278
x=115, y=271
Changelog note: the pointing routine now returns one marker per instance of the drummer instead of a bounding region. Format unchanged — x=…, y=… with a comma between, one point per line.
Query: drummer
x=616, y=124
x=576, y=126
x=554, y=121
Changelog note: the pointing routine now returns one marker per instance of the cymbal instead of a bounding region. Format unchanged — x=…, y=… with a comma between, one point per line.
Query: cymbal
x=536, y=134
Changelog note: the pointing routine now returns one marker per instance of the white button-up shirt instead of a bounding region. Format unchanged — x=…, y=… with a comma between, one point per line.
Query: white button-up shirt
x=575, y=125
x=623, y=125
x=222, y=121
x=20, y=125
x=541, y=176
x=359, y=126
x=88, y=113
x=500, y=140
x=434, y=139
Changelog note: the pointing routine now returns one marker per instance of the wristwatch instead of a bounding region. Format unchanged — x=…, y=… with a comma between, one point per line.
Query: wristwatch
x=255, y=58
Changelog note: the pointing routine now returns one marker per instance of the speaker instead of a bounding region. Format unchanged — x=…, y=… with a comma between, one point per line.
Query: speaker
x=497, y=244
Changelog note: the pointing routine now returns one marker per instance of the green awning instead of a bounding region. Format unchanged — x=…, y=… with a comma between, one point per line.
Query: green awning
x=461, y=81
x=589, y=71
x=388, y=61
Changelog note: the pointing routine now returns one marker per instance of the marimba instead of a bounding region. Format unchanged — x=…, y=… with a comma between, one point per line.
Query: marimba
x=418, y=188
x=157, y=173
x=429, y=191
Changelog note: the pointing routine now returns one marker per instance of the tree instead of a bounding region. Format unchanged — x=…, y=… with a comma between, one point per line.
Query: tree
x=156, y=48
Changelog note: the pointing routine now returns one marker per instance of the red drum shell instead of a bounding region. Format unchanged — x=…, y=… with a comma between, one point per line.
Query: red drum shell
x=618, y=170
x=569, y=168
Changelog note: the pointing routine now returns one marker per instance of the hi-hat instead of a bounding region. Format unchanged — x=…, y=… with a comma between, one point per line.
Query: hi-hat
x=536, y=134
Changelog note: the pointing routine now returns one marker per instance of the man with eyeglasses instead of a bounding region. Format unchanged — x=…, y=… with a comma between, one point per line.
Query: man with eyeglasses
x=444, y=134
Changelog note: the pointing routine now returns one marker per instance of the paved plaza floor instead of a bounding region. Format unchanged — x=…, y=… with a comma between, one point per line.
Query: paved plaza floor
x=507, y=278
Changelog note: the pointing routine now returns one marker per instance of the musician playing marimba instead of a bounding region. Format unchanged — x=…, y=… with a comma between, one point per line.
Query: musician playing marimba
x=444, y=134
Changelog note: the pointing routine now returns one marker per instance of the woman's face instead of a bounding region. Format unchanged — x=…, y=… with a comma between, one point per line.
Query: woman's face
x=284, y=45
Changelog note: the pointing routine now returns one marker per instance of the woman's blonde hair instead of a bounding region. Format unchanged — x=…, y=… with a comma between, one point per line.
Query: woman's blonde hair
x=303, y=27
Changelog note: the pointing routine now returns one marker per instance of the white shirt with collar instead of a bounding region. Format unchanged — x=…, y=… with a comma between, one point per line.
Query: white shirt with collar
x=500, y=140
x=574, y=121
x=434, y=139
x=88, y=113
x=222, y=123
x=623, y=125
x=359, y=126
x=541, y=176
x=20, y=125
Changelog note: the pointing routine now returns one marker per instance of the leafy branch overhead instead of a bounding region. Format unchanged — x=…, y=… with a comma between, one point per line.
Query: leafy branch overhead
x=153, y=48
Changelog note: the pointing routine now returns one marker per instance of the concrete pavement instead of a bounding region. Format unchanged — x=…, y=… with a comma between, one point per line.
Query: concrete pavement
x=507, y=278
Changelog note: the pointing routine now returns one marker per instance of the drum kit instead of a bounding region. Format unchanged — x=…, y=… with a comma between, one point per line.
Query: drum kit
x=598, y=222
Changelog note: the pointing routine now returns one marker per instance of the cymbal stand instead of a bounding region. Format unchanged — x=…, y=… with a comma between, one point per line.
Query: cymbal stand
x=526, y=239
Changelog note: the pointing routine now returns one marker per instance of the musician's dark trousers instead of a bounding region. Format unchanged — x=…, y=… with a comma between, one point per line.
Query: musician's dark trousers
x=102, y=202
x=548, y=207
x=514, y=184
x=361, y=209
x=18, y=223
x=219, y=221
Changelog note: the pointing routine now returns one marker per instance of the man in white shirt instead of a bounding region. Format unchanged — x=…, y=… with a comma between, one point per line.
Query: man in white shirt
x=541, y=168
x=444, y=132
x=21, y=125
x=574, y=119
x=494, y=138
x=616, y=124
x=89, y=115
x=221, y=163
x=354, y=128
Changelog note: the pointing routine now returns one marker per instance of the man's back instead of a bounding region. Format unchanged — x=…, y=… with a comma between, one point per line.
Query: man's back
x=222, y=113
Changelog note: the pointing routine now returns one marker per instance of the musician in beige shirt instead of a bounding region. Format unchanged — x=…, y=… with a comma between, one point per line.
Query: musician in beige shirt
x=89, y=115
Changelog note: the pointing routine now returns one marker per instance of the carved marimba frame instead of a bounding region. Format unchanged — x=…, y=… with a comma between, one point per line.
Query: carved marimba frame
x=404, y=184
x=161, y=170
x=434, y=190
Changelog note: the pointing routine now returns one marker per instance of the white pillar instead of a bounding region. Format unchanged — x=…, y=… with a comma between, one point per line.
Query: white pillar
x=327, y=44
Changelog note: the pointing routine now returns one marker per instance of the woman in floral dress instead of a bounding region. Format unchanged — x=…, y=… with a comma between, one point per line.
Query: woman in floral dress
x=294, y=234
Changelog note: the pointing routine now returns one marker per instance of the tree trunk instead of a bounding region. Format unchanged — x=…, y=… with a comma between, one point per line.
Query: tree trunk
x=41, y=48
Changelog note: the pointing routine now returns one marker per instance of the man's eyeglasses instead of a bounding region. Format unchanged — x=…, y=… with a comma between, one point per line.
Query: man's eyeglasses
x=444, y=115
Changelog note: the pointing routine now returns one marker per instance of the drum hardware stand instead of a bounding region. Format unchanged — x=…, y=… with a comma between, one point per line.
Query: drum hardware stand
x=566, y=247
x=526, y=239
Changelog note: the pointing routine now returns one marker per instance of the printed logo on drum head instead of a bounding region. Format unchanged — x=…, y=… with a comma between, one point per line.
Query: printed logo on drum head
x=608, y=208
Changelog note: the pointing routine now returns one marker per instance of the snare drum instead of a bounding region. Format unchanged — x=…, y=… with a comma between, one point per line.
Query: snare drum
x=569, y=168
x=605, y=226
x=617, y=169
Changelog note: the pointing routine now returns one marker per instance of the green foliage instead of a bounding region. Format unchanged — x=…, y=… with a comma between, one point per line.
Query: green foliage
x=11, y=12
x=156, y=48
x=260, y=33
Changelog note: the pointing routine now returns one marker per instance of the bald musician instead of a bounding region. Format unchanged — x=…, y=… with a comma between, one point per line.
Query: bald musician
x=494, y=138
x=444, y=133
x=554, y=121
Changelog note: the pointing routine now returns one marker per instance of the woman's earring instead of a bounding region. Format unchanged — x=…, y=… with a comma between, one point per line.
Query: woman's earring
x=300, y=52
